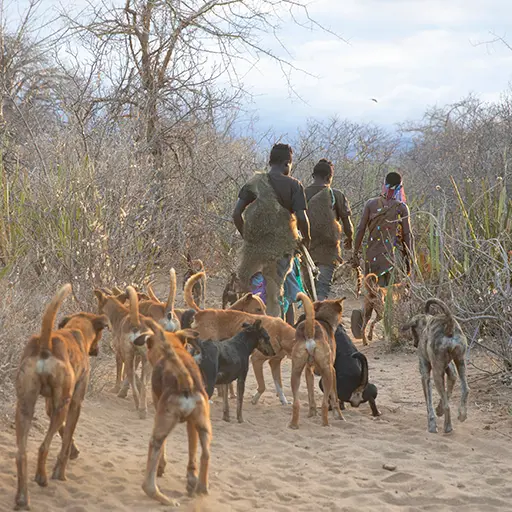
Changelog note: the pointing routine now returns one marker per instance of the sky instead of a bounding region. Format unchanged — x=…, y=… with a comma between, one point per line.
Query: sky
x=407, y=54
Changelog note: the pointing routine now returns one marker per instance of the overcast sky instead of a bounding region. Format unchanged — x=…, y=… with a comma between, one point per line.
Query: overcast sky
x=408, y=54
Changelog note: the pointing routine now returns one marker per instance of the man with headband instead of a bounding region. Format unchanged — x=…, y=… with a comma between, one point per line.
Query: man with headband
x=387, y=220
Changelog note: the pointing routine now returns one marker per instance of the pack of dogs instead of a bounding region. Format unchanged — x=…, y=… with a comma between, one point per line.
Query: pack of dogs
x=182, y=355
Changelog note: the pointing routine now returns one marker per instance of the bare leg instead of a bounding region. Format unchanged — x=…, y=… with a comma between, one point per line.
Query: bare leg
x=378, y=318
x=119, y=374
x=231, y=390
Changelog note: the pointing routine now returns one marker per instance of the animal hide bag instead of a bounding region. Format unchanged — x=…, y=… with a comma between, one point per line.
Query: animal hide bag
x=269, y=229
x=325, y=228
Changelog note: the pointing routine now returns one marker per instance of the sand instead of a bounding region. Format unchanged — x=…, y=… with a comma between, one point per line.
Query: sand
x=261, y=464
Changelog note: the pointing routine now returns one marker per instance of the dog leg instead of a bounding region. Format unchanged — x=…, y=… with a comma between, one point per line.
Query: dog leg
x=59, y=413
x=124, y=385
x=205, y=436
x=24, y=415
x=130, y=374
x=162, y=461
x=231, y=390
x=334, y=397
x=461, y=369
x=145, y=376
x=367, y=314
x=193, y=437
x=298, y=364
x=166, y=419
x=74, y=451
x=240, y=389
x=452, y=378
x=275, y=367
x=440, y=386
x=310, y=383
x=258, y=359
x=225, y=412
x=119, y=374
x=425, y=370
x=59, y=471
x=377, y=319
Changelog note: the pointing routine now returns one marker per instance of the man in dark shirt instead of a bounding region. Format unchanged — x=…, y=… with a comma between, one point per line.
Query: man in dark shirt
x=328, y=209
x=274, y=205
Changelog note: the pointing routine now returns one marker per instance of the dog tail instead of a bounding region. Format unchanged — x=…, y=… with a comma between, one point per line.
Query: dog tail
x=45, y=340
x=309, y=311
x=364, y=371
x=151, y=293
x=189, y=286
x=371, y=283
x=449, y=325
x=134, y=305
x=169, y=306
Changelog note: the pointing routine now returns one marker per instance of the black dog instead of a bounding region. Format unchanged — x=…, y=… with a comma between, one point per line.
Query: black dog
x=352, y=374
x=222, y=362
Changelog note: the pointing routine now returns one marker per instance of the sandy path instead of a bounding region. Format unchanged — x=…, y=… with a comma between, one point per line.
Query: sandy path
x=263, y=465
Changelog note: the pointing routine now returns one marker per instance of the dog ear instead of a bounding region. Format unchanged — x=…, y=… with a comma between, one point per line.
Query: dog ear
x=101, y=322
x=100, y=296
x=117, y=290
x=248, y=297
x=340, y=301
x=187, y=334
x=63, y=322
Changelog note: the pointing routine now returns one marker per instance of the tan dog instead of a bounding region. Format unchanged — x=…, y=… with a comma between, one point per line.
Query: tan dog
x=315, y=349
x=54, y=364
x=127, y=325
x=195, y=267
x=248, y=303
x=161, y=312
x=374, y=300
x=179, y=396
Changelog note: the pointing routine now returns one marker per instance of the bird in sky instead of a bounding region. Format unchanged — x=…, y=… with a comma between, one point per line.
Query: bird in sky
x=373, y=99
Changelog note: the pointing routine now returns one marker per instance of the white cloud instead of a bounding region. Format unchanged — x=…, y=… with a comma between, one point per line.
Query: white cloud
x=409, y=54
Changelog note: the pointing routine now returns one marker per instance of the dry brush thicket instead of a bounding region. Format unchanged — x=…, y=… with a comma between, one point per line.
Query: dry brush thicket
x=94, y=195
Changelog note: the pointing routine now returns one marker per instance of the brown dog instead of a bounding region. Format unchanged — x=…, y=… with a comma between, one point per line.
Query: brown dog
x=179, y=396
x=161, y=312
x=231, y=293
x=54, y=364
x=127, y=325
x=374, y=300
x=194, y=267
x=315, y=349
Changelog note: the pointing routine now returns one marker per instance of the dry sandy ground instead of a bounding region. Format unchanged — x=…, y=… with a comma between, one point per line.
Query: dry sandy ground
x=263, y=465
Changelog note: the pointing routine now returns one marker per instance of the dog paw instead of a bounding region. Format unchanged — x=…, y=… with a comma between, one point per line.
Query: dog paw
x=74, y=453
x=448, y=429
x=293, y=426
x=42, y=480
x=201, y=489
x=21, y=503
x=256, y=398
x=123, y=393
x=432, y=429
x=191, y=485
x=58, y=473
x=284, y=401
